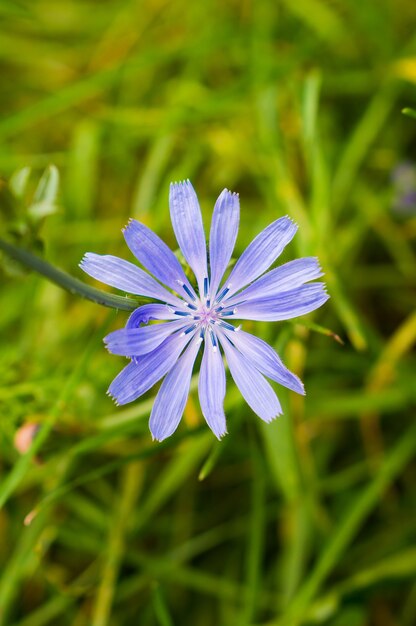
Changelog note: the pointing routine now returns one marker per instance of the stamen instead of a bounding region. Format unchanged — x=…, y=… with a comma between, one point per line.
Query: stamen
x=213, y=339
x=227, y=313
x=208, y=303
x=191, y=306
x=188, y=292
x=202, y=333
x=182, y=313
x=226, y=325
x=223, y=294
x=205, y=287
x=188, y=330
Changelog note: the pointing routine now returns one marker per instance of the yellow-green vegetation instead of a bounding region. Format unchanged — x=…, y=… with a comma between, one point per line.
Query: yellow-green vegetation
x=297, y=105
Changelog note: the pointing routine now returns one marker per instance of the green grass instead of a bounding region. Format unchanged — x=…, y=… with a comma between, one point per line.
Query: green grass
x=298, y=107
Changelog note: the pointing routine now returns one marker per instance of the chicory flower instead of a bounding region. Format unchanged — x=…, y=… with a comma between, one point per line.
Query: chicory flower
x=199, y=315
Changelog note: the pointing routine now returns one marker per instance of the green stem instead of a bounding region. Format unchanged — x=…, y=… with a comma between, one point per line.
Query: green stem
x=64, y=280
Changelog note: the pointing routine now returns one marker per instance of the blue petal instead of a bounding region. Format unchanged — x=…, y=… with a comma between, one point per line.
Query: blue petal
x=211, y=387
x=261, y=253
x=172, y=396
x=255, y=389
x=138, y=341
x=283, y=278
x=140, y=375
x=224, y=229
x=265, y=359
x=155, y=255
x=125, y=276
x=143, y=314
x=283, y=306
x=189, y=231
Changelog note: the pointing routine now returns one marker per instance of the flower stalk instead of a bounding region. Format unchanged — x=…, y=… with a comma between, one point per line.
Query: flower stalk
x=68, y=282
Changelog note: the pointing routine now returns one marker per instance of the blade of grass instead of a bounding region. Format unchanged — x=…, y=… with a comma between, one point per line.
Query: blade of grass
x=255, y=541
x=24, y=463
x=364, y=135
x=116, y=545
x=393, y=463
x=160, y=607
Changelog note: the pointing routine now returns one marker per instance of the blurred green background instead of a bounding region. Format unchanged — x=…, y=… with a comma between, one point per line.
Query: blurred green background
x=297, y=106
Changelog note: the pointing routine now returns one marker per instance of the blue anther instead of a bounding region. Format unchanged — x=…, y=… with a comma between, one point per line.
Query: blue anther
x=213, y=338
x=205, y=287
x=189, y=292
x=226, y=325
x=227, y=313
x=182, y=313
x=223, y=294
x=192, y=306
x=190, y=329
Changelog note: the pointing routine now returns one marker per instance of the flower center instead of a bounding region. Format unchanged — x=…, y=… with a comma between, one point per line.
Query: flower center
x=207, y=315
x=204, y=315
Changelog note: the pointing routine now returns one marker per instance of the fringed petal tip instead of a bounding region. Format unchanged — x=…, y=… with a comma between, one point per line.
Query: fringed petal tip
x=290, y=219
x=131, y=220
x=107, y=346
x=181, y=183
x=220, y=436
x=158, y=437
x=85, y=259
x=318, y=266
x=301, y=390
x=324, y=291
x=107, y=340
x=270, y=419
x=231, y=193
x=112, y=397
x=296, y=384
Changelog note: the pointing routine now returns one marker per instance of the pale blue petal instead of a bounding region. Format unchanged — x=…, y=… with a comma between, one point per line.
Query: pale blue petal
x=189, y=230
x=156, y=256
x=138, y=341
x=265, y=359
x=261, y=253
x=211, y=387
x=141, y=374
x=283, y=278
x=255, y=389
x=283, y=306
x=172, y=396
x=147, y=312
x=224, y=229
x=125, y=276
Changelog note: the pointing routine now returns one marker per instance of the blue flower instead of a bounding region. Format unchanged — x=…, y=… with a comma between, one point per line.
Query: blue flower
x=204, y=314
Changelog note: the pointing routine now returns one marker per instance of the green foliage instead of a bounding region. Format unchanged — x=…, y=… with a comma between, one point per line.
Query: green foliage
x=23, y=211
x=297, y=106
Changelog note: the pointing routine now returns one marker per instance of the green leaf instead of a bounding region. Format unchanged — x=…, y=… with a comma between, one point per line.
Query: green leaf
x=44, y=200
x=409, y=112
x=18, y=181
